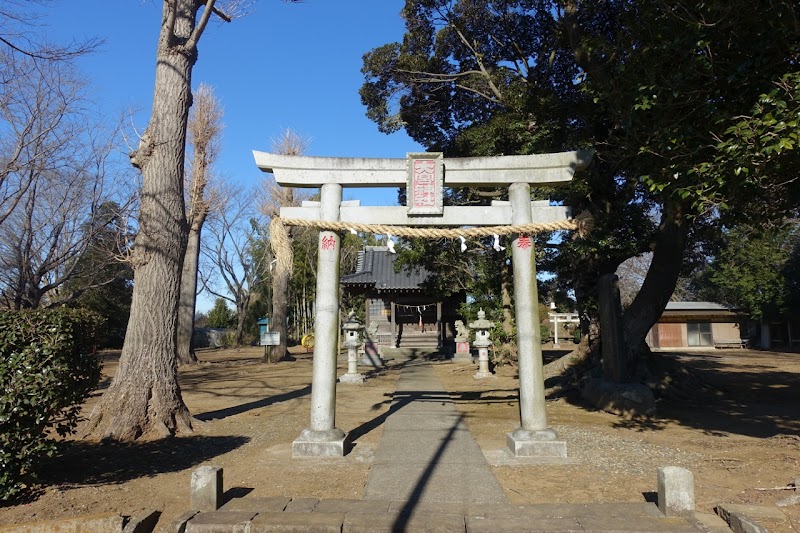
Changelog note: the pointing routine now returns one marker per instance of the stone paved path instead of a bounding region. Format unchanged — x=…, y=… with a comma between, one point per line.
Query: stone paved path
x=429, y=475
x=427, y=453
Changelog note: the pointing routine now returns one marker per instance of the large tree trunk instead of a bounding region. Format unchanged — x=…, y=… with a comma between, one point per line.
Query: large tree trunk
x=241, y=316
x=658, y=286
x=144, y=396
x=280, y=304
x=188, y=296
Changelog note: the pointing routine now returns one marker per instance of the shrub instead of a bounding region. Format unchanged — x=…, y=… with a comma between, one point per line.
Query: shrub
x=544, y=331
x=47, y=369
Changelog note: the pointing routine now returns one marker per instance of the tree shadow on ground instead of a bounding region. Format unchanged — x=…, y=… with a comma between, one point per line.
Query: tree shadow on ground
x=95, y=463
x=715, y=394
x=257, y=404
x=548, y=356
x=396, y=401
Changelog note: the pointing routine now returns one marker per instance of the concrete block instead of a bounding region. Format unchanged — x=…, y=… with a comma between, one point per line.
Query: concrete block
x=142, y=522
x=297, y=523
x=352, y=379
x=519, y=524
x=710, y=523
x=675, y=491
x=391, y=522
x=179, y=525
x=105, y=523
x=301, y=505
x=352, y=506
x=756, y=511
x=522, y=447
x=743, y=518
x=458, y=508
x=743, y=524
x=220, y=522
x=206, y=492
x=256, y=505
x=319, y=444
x=599, y=522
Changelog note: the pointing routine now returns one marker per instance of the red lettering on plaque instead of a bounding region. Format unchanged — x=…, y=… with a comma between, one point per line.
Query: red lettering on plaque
x=328, y=242
x=524, y=241
x=424, y=183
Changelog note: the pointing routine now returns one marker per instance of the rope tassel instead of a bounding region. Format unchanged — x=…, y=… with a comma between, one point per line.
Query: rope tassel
x=281, y=246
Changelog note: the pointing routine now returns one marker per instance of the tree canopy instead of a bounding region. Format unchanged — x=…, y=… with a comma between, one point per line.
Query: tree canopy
x=690, y=107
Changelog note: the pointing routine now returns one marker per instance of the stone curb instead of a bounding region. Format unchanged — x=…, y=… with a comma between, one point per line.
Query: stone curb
x=262, y=515
x=745, y=518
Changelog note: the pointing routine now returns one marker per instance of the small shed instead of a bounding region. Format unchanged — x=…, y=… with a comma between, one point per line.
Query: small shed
x=698, y=325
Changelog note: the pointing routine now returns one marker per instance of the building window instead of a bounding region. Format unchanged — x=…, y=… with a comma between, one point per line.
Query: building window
x=699, y=334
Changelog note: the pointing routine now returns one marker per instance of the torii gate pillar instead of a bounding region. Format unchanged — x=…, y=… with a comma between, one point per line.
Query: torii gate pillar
x=532, y=438
x=323, y=438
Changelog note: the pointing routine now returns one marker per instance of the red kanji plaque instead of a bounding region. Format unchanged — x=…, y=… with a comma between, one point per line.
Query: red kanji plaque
x=425, y=182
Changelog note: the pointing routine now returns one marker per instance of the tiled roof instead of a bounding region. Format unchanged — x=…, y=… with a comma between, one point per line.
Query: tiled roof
x=375, y=269
x=697, y=306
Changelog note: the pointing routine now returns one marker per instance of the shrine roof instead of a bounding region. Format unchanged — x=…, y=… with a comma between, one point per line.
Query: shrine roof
x=375, y=269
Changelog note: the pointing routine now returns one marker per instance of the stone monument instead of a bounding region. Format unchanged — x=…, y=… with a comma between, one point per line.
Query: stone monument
x=463, y=354
x=352, y=342
x=482, y=342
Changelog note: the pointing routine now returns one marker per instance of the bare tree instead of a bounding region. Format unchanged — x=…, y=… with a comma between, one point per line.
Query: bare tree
x=144, y=396
x=205, y=127
x=21, y=33
x=238, y=255
x=40, y=120
x=56, y=172
x=275, y=197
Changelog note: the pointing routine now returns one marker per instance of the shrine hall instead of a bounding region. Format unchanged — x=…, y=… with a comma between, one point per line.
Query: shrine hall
x=400, y=313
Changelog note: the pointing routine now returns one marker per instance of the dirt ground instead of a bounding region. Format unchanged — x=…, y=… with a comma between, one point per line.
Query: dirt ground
x=739, y=434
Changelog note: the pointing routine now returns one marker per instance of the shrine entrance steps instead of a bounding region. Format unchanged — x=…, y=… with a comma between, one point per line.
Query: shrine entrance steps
x=413, y=345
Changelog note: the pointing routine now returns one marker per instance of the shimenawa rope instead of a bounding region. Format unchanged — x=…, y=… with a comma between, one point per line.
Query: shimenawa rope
x=282, y=246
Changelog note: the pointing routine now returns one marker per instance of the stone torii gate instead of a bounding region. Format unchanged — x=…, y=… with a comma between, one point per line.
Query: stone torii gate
x=425, y=175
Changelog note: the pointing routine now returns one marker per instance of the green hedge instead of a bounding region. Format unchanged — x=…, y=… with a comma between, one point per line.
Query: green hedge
x=47, y=368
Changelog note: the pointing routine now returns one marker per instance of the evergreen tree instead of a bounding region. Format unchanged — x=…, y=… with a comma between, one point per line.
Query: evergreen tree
x=221, y=316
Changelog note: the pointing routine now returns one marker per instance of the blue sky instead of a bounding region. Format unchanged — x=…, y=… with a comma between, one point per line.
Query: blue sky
x=283, y=66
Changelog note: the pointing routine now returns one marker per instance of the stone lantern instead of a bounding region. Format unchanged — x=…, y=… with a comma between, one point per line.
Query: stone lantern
x=351, y=342
x=482, y=343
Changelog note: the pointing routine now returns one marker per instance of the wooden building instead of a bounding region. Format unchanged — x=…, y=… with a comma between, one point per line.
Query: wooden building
x=400, y=313
x=698, y=325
